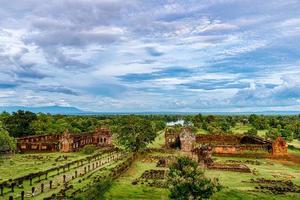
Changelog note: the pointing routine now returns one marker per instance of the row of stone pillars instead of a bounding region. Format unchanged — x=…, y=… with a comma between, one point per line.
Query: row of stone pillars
x=33, y=189
x=98, y=163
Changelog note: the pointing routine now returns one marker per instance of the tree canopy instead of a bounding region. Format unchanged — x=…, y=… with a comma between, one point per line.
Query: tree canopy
x=188, y=182
x=134, y=133
x=7, y=143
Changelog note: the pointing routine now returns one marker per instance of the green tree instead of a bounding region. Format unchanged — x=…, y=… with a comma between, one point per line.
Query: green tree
x=134, y=133
x=252, y=131
x=187, y=181
x=272, y=133
x=7, y=143
x=197, y=120
x=18, y=124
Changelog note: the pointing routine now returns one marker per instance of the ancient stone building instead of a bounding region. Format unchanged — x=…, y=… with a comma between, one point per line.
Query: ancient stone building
x=187, y=140
x=279, y=147
x=66, y=142
x=226, y=144
x=172, y=139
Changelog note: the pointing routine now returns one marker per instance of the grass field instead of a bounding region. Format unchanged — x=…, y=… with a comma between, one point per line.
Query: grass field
x=123, y=189
x=21, y=164
x=24, y=164
x=235, y=183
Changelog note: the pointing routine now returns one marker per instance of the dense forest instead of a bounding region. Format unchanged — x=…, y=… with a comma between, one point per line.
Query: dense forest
x=24, y=123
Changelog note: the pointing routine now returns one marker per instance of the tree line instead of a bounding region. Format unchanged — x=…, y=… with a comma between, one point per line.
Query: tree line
x=134, y=132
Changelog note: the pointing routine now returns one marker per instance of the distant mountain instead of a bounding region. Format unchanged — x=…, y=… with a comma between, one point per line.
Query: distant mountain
x=75, y=111
x=44, y=109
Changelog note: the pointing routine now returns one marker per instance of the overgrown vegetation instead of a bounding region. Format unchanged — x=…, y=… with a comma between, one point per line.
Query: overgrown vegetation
x=88, y=149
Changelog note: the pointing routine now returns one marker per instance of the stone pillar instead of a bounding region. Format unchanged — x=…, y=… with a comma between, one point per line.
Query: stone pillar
x=32, y=190
x=75, y=174
x=42, y=187
x=12, y=187
x=50, y=183
x=64, y=177
x=22, y=195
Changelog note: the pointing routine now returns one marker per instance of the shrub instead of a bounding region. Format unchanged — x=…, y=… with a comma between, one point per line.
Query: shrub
x=88, y=149
x=252, y=131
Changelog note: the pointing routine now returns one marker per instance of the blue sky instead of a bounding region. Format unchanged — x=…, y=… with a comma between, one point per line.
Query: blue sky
x=151, y=55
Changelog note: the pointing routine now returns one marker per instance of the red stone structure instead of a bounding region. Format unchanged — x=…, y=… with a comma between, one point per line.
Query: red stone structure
x=225, y=144
x=172, y=139
x=66, y=142
x=187, y=140
x=279, y=147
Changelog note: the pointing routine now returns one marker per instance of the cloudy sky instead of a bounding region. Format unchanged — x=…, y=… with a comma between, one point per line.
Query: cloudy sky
x=147, y=55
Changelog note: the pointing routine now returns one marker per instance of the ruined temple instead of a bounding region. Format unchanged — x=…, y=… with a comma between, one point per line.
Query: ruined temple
x=224, y=144
x=172, y=139
x=67, y=142
x=187, y=140
x=279, y=147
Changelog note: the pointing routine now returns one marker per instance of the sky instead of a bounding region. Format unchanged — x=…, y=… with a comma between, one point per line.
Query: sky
x=151, y=55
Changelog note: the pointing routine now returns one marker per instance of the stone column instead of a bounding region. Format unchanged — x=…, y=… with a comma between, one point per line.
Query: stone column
x=12, y=187
x=50, y=183
x=22, y=195
x=32, y=190
x=42, y=187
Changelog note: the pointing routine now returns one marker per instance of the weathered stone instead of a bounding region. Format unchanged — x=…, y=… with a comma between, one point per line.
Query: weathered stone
x=65, y=143
x=279, y=147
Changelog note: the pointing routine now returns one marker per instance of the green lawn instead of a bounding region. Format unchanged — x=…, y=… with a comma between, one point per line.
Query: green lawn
x=159, y=141
x=240, y=128
x=123, y=189
x=21, y=164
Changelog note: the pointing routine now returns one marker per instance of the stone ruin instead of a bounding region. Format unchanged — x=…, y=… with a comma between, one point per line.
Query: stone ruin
x=224, y=144
x=153, y=178
x=277, y=187
x=204, y=155
x=172, y=139
x=279, y=147
x=162, y=162
x=187, y=140
x=66, y=142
